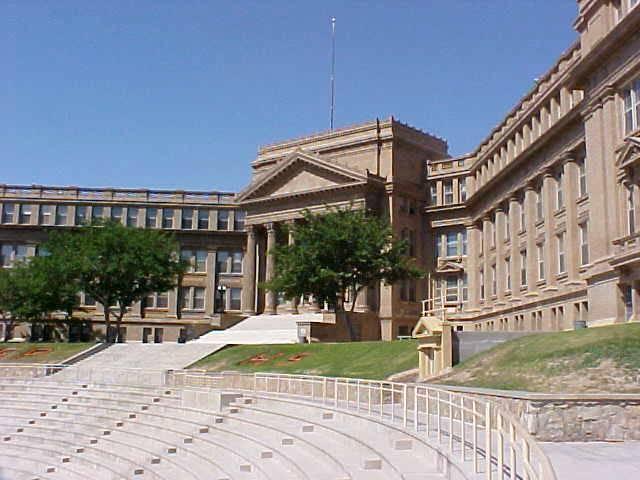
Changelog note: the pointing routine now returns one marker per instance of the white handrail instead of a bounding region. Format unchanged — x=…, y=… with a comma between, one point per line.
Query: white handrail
x=492, y=440
x=480, y=432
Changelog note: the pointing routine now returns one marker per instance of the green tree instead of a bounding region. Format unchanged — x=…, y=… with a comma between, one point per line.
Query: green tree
x=32, y=290
x=337, y=252
x=118, y=265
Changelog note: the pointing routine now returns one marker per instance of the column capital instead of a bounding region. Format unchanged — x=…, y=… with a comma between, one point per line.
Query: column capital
x=568, y=157
x=270, y=226
x=250, y=229
x=547, y=173
x=514, y=197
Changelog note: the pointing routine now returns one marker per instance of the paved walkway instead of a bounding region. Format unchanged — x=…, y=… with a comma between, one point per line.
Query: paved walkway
x=594, y=460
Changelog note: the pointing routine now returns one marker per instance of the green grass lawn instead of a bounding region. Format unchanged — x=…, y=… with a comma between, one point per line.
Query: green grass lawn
x=373, y=360
x=41, y=352
x=602, y=359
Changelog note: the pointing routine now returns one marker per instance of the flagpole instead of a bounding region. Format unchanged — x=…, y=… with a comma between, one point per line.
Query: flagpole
x=333, y=70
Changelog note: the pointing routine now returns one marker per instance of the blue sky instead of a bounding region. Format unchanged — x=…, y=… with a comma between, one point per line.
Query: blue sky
x=180, y=94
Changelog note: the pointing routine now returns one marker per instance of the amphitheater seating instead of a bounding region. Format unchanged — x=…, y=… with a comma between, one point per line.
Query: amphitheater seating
x=65, y=430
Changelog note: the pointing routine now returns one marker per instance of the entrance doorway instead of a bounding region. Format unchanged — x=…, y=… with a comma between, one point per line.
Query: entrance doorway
x=157, y=335
x=146, y=332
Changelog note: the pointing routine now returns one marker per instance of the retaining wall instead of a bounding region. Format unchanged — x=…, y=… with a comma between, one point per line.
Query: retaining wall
x=569, y=417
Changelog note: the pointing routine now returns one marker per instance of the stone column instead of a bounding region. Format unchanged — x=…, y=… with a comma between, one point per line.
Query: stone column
x=549, y=206
x=486, y=235
x=211, y=292
x=271, y=297
x=572, y=247
x=532, y=267
x=293, y=303
x=473, y=237
x=501, y=274
x=249, y=274
x=514, y=212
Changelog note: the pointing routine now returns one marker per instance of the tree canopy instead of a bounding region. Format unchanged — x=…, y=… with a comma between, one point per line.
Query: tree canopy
x=340, y=251
x=118, y=265
x=32, y=290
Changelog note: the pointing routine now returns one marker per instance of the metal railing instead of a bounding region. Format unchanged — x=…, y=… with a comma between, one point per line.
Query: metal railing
x=473, y=429
x=475, y=432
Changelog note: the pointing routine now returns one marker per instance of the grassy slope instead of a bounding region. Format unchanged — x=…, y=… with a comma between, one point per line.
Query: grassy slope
x=375, y=360
x=604, y=359
x=59, y=352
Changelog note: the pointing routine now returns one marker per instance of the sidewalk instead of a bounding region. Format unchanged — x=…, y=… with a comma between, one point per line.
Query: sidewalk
x=594, y=460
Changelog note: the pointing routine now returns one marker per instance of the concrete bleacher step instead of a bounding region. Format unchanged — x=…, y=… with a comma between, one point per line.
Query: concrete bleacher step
x=115, y=431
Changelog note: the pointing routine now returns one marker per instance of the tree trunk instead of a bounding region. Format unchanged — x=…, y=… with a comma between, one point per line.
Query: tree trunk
x=119, y=327
x=107, y=323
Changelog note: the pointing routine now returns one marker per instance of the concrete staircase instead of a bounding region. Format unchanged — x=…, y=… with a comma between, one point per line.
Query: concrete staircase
x=260, y=329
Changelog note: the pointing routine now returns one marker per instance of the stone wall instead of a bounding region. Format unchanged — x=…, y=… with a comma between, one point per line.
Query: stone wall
x=569, y=417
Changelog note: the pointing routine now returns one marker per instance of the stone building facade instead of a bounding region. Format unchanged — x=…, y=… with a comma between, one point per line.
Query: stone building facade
x=536, y=229
x=208, y=226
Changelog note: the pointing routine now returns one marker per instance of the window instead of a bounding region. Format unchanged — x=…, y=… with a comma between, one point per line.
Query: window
x=88, y=300
x=192, y=298
x=584, y=243
x=438, y=246
x=632, y=107
x=447, y=186
x=523, y=218
x=451, y=291
x=187, y=218
x=494, y=283
x=157, y=300
x=222, y=262
x=540, y=251
x=465, y=288
x=167, y=218
x=582, y=177
x=203, y=219
x=24, y=217
x=116, y=214
x=492, y=229
x=462, y=185
x=46, y=214
x=8, y=212
x=539, y=205
x=97, y=213
x=507, y=270
x=559, y=192
x=132, y=217
x=561, y=254
x=61, y=214
x=197, y=260
x=81, y=214
x=481, y=285
x=223, y=219
x=433, y=194
x=464, y=242
x=152, y=218
x=198, y=298
x=507, y=227
x=452, y=244
x=187, y=256
x=523, y=268
x=6, y=255
x=201, y=261
x=236, y=264
x=631, y=209
x=238, y=220
x=235, y=297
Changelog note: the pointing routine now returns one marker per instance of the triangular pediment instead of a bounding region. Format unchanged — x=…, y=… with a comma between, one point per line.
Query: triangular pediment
x=301, y=173
x=630, y=153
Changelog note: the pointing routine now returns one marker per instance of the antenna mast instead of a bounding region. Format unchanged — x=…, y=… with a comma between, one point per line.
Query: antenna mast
x=333, y=70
